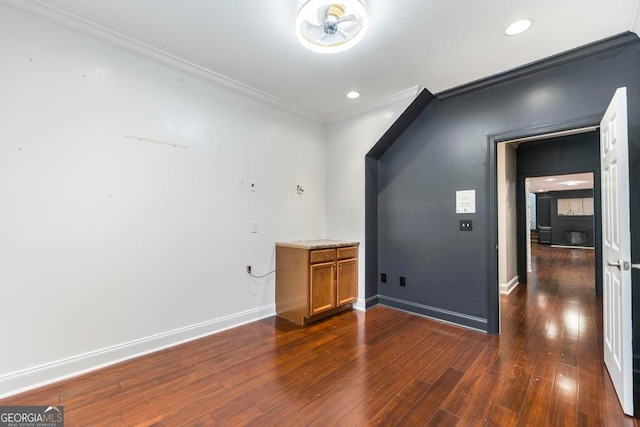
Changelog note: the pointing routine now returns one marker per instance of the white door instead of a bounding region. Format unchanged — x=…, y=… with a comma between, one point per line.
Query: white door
x=616, y=251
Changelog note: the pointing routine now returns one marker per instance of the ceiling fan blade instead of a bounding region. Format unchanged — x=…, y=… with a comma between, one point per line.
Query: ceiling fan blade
x=350, y=27
x=347, y=18
x=322, y=14
x=332, y=39
x=326, y=40
x=312, y=31
x=345, y=34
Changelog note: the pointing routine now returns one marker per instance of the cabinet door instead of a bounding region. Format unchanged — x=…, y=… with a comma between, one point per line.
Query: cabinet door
x=347, y=284
x=322, y=288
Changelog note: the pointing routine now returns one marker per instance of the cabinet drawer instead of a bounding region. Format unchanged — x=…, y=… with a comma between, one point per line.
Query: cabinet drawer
x=344, y=253
x=324, y=255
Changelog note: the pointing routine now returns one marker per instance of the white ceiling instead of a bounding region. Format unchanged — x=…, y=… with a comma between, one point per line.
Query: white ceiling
x=435, y=44
x=543, y=184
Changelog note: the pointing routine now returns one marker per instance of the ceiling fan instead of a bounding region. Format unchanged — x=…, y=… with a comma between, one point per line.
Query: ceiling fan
x=329, y=27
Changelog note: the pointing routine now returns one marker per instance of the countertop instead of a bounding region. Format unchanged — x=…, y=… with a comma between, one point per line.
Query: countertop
x=318, y=244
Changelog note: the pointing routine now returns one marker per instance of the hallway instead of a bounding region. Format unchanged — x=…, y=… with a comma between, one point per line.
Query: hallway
x=555, y=324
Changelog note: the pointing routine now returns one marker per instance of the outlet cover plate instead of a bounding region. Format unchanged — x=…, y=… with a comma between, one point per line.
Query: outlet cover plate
x=466, y=225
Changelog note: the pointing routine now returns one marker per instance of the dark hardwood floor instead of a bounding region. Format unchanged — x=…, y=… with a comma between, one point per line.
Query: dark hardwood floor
x=380, y=367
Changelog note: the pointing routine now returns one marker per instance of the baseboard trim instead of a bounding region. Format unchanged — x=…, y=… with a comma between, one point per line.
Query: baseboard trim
x=506, y=288
x=372, y=301
x=21, y=381
x=448, y=316
x=365, y=304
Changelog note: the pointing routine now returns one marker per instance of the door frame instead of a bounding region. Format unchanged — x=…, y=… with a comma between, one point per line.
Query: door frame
x=493, y=318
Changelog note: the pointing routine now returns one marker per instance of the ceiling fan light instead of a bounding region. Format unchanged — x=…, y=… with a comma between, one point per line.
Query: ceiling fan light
x=335, y=12
x=326, y=26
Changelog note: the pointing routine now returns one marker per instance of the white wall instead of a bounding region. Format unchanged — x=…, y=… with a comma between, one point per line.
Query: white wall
x=348, y=141
x=507, y=226
x=111, y=247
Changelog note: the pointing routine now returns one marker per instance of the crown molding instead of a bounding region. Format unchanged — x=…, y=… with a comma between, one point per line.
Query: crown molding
x=55, y=16
x=592, y=49
x=407, y=117
x=408, y=94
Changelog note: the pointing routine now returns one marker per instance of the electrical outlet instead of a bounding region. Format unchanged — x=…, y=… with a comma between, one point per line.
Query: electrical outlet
x=466, y=225
x=403, y=281
x=248, y=269
x=383, y=278
x=252, y=186
x=253, y=226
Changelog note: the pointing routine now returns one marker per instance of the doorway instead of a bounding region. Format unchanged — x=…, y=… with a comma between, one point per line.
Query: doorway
x=528, y=199
x=576, y=155
x=555, y=152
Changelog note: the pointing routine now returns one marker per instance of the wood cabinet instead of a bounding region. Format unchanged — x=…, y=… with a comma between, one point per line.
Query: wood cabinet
x=315, y=279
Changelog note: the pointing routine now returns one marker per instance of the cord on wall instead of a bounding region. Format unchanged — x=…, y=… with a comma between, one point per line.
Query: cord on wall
x=258, y=277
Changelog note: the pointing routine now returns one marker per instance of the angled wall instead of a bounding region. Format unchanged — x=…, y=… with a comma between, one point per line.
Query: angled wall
x=347, y=141
x=371, y=189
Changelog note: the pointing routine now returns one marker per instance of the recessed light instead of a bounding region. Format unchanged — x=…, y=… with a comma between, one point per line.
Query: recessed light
x=518, y=27
x=353, y=94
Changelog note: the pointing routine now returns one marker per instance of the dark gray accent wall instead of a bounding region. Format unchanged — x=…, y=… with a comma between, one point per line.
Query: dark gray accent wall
x=452, y=274
x=418, y=229
x=371, y=191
